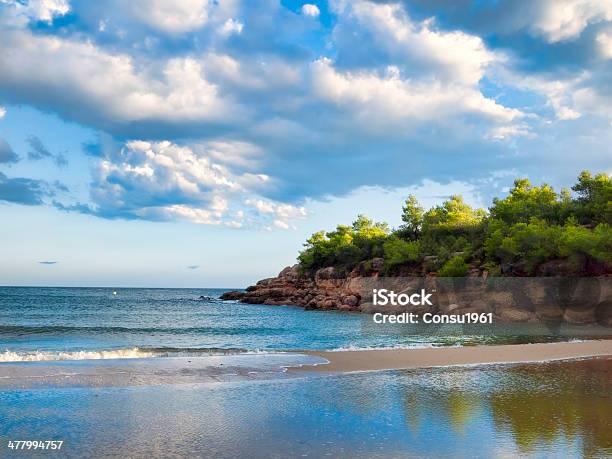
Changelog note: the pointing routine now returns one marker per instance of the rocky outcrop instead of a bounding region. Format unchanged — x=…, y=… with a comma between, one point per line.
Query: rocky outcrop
x=510, y=299
x=328, y=289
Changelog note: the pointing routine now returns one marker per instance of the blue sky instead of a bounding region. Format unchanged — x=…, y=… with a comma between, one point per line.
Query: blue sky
x=198, y=143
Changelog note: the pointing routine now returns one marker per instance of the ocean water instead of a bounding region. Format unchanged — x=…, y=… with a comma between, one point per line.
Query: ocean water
x=41, y=324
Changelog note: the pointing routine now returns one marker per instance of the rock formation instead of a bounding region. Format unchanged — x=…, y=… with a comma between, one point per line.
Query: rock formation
x=510, y=299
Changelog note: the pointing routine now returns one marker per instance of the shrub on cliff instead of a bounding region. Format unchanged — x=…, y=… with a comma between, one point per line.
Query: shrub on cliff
x=528, y=243
x=455, y=267
x=400, y=252
x=344, y=247
x=579, y=243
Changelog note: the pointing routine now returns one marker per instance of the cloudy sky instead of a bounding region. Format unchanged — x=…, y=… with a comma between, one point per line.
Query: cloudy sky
x=198, y=142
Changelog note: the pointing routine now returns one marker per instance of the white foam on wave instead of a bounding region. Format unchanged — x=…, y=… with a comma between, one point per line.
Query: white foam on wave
x=386, y=348
x=42, y=356
x=132, y=353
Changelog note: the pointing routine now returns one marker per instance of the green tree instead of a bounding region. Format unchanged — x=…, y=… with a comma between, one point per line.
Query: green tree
x=454, y=215
x=412, y=216
x=594, y=202
x=525, y=202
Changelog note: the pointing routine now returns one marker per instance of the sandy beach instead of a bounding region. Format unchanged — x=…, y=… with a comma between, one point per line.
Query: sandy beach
x=388, y=359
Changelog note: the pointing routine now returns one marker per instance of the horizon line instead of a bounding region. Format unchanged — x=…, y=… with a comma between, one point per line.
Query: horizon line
x=116, y=287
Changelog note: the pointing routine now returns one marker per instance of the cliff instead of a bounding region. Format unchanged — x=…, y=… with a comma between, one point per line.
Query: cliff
x=509, y=299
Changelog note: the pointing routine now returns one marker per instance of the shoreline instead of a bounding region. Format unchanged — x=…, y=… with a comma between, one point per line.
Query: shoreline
x=401, y=359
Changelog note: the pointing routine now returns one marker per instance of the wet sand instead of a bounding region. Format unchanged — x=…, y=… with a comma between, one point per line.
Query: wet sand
x=396, y=359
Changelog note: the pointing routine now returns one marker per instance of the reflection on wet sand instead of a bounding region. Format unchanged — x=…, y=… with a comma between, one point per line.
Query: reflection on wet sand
x=572, y=401
x=539, y=406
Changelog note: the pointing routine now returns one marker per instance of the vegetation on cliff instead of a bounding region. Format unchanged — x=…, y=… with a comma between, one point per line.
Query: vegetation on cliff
x=532, y=231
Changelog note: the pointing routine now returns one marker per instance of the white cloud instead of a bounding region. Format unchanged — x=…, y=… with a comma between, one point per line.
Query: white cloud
x=559, y=20
x=254, y=74
x=589, y=100
x=2, y=111
x=566, y=113
x=160, y=177
x=559, y=93
x=97, y=85
x=286, y=211
x=281, y=224
x=165, y=181
x=506, y=132
x=176, y=16
x=309, y=9
x=232, y=26
x=418, y=45
x=604, y=40
x=282, y=213
x=375, y=98
x=235, y=153
x=38, y=10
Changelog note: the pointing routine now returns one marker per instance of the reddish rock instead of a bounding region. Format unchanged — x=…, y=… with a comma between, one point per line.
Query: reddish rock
x=516, y=315
x=580, y=315
x=351, y=300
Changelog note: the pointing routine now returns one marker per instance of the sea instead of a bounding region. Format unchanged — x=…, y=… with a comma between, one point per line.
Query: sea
x=131, y=372
x=44, y=324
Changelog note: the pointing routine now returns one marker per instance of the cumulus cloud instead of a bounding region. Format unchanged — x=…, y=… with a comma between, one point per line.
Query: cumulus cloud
x=102, y=88
x=549, y=40
x=2, y=111
x=176, y=16
x=554, y=21
x=560, y=20
x=282, y=214
x=261, y=108
x=37, y=10
x=378, y=98
x=309, y=9
x=7, y=155
x=165, y=181
x=586, y=94
x=417, y=47
x=604, y=39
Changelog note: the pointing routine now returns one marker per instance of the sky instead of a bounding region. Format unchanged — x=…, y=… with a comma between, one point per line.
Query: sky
x=198, y=143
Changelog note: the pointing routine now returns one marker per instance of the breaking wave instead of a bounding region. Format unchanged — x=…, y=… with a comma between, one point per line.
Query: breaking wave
x=130, y=353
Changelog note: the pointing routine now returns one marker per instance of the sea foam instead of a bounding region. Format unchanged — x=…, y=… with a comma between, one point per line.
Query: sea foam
x=131, y=353
x=41, y=356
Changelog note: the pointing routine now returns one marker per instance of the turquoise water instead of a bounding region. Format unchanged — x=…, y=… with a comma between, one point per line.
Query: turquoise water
x=41, y=323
